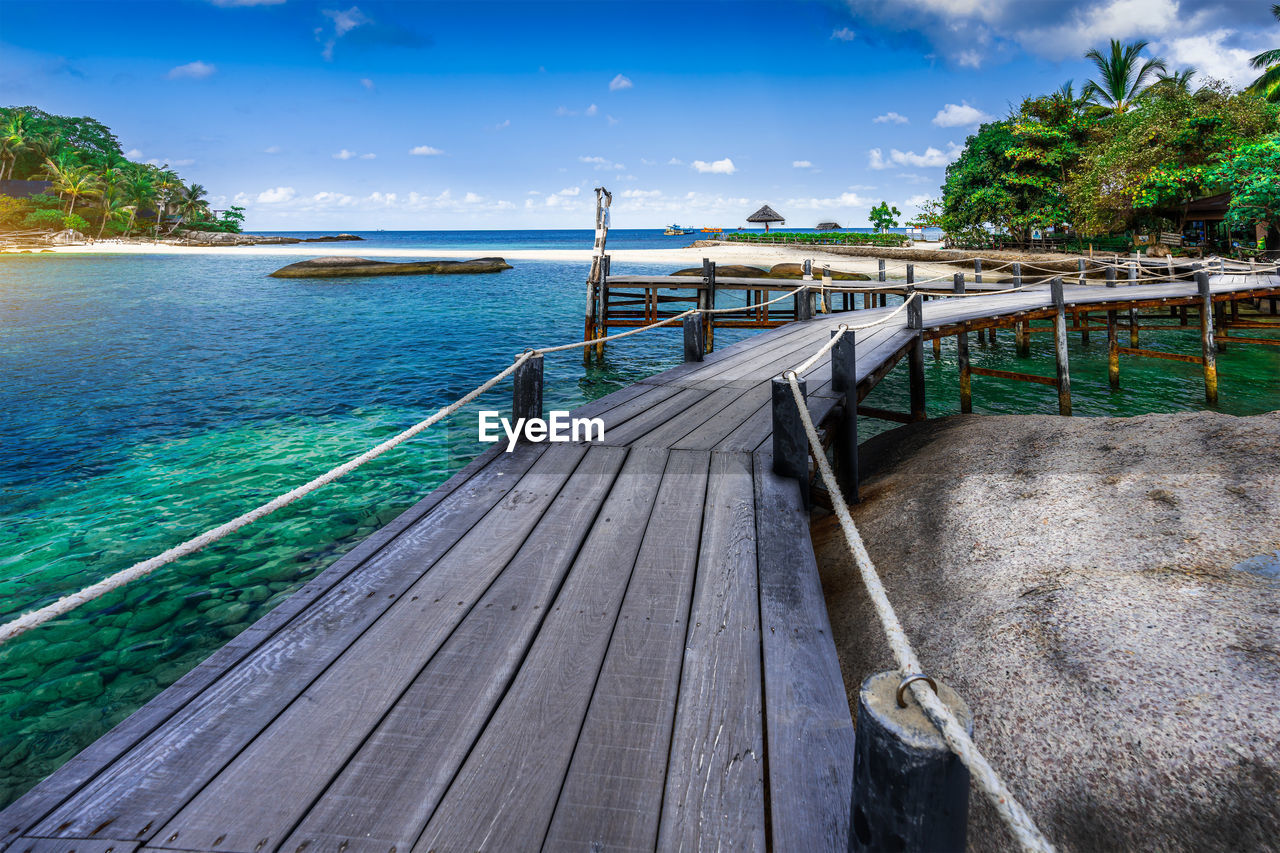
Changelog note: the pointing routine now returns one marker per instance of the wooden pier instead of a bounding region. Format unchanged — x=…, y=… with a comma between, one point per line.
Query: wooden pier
x=613, y=646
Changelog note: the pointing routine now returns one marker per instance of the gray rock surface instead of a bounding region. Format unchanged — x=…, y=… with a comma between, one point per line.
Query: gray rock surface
x=345, y=267
x=1078, y=582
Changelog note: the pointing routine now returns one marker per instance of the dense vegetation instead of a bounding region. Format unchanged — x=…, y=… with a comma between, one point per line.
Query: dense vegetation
x=96, y=189
x=1125, y=156
x=829, y=238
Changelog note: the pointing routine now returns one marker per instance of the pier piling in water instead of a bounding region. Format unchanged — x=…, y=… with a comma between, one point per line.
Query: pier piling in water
x=915, y=359
x=844, y=380
x=1060, y=342
x=790, y=444
x=1133, y=312
x=962, y=355
x=1113, y=343
x=1207, y=348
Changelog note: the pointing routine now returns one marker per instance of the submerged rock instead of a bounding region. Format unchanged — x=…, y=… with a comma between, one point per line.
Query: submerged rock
x=1084, y=584
x=343, y=267
x=334, y=238
x=797, y=270
x=728, y=271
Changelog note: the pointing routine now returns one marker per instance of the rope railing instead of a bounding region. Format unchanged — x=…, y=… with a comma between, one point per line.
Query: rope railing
x=1011, y=811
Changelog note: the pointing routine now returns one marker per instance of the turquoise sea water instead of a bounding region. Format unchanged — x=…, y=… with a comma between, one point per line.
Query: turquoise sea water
x=146, y=399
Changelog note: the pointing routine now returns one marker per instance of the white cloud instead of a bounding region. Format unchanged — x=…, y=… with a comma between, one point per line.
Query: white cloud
x=344, y=154
x=133, y=154
x=1207, y=53
x=612, y=121
x=917, y=200
x=591, y=110
x=425, y=151
x=716, y=167
x=620, y=82
x=502, y=125
x=602, y=164
x=645, y=161
x=472, y=198
x=367, y=83
x=276, y=195
x=369, y=156
x=801, y=164
x=564, y=197
x=843, y=34
x=891, y=118
x=960, y=115
x=272, y=149
x=931, y=158
x=343, y=23
x=194, y=70
x=675, y=161
x=641, y=193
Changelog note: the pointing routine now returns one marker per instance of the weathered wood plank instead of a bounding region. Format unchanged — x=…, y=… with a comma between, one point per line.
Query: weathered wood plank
x=612, y=794
x=152, y=781
x=388, y=790
x=656, y=415
x=714, y=795
x=261, y=795
x=72, y=845
x=505, y=793
x=807, y=718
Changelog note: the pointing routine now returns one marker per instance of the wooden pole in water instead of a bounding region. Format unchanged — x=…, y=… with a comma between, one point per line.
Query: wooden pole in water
x=1206, y=339
x=526, y=390
x=1060, y=341
x=594, y=281
x=844, y=380
x=1133, y=312
x=790, y=444
x=1080, y=265
x=962, y=354
x=1113, y=343
x=915, y=359
x=1023, y=333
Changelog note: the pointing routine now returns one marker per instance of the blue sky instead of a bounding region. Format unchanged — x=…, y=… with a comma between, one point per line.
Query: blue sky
x=402, y=115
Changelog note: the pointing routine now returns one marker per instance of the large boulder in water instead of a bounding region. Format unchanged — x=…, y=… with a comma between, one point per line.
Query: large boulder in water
x=342, y=267
x=333, y=238
x=1103, y=593
x=728, y=271
x=797, y=271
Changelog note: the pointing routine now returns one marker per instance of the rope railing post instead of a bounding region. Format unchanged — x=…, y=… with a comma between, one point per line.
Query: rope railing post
x=844, y=380
x=1080, y=267
x=915, y=358
x=709, y=323
x=1024, y=326
x=1133, y=312
x=869, y=299
x=1060, y=346
x=962, y=355
x=1207, y=348
x=804, y=305
x=1113, y=342
x=790, y=445
x=694, y=345
x=910, y=791
x=603, y=317
x=526, y=390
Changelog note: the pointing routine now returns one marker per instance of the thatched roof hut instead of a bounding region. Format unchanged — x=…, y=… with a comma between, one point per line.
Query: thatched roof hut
x=828, y=226
x=766, y=215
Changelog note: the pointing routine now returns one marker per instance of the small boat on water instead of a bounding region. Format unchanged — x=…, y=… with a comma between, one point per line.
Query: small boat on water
x=676, y=231
x=712, y=230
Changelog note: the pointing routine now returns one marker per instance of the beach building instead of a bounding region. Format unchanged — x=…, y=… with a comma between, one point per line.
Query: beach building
x=766, y=214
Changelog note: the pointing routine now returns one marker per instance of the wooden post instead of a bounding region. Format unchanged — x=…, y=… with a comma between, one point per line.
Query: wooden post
x=962, y=354
x=1220, y=322
x=880, y=274
x=1206, y=339
x=694, y=346
x=1082, y=322
x=1133, y=312
x=1022, y=332
x=804, y=305
x=910, y=791
x=915, y=359
x=596, y=277
x=844, y=380
x=911, y=275
x=977, y=271
x=1080, y=266
x=827, y=297
x=709, y=322
x=1113, y=342
x=790, y=444
x=526, y=391
x=1060, y=341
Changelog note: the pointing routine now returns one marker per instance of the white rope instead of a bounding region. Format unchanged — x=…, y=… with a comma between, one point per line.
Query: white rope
x=68, y=603
x=1007, y=806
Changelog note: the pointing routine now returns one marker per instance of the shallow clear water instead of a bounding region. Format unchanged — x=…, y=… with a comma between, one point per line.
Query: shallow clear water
x=145, y=399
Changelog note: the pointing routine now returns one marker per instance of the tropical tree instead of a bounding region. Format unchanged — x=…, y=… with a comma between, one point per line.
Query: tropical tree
x=1249, y=174
x=1178, y=80
x=882, y=216
x=1268, y=83
x=14, y=139
x=1123, y=75
x=74, y=183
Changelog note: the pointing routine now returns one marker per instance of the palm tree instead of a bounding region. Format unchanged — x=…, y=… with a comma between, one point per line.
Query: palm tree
x=193, y=202
x=109, y=180
x=1178, y=81
x=76, y=183
x=113, y=207
x=139, y=190
x=167, y=183
x=14, y=138
x=1268, y=83
x=1121, y=79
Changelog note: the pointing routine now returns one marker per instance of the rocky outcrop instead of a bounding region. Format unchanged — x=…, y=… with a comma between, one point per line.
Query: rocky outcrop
x=727, y=271
x=797, y=271
x=343, y=267
x=218, y=238
x=1102, y=592
x=335, y=238
x=64, y=238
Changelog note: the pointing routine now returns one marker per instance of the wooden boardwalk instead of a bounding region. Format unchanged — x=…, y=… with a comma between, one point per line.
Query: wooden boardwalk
x=620, y=646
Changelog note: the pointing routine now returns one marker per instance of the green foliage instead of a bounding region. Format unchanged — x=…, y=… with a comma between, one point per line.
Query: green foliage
x=1123, y=76
x=979, y=191
x=1268, y=62
x=1250, y=175
x=882, y=216
x=825, y=238
x=229, y=222
x=930, y=215
x=13, y=211
x=44, y=201
x=75, y=222
x=44, y=219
